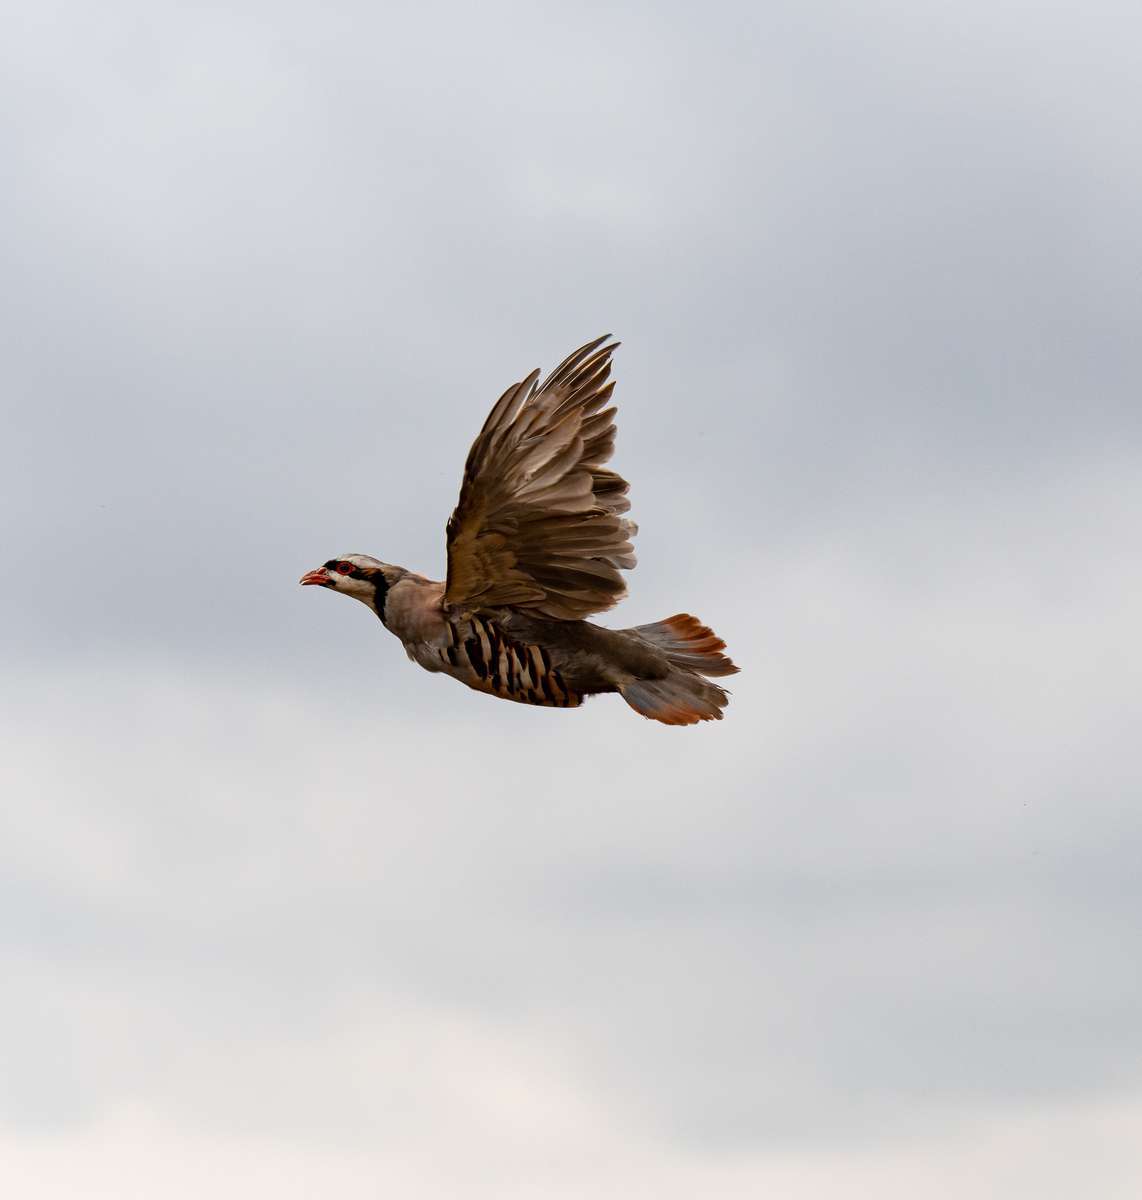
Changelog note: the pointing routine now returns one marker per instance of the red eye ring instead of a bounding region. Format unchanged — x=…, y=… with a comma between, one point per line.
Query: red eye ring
x=345, y=568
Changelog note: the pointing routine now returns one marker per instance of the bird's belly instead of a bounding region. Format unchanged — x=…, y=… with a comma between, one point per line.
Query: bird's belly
x=481, y=655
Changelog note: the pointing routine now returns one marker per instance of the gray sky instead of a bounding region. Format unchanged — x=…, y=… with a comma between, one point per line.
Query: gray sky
x=280, y=914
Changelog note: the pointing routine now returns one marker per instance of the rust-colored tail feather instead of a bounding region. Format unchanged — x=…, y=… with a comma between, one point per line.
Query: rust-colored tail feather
x=684, y=697
x=689, y=644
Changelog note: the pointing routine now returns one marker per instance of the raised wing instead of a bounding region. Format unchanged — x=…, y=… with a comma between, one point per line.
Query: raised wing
x=538, y=522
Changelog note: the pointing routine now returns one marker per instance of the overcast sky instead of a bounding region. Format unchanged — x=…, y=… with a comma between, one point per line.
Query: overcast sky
x=282, y=915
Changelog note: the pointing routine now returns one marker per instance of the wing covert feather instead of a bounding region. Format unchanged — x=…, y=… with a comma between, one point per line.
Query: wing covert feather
x=539, y=521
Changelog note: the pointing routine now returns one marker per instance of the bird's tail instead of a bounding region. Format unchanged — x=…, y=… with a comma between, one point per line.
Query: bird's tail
x=684, y=697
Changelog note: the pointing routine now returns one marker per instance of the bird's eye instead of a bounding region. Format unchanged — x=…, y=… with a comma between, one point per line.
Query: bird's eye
x=345, y=568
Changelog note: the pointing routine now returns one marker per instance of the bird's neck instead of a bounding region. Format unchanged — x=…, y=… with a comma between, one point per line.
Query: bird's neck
x=413, y=609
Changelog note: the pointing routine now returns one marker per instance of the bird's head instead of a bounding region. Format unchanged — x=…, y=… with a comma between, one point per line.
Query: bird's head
x=357, y=575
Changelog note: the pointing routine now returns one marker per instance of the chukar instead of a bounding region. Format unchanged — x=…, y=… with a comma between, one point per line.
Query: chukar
x=535, y=545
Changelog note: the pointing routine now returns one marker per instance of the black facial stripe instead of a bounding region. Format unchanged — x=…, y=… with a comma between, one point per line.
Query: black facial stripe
x=381, y=586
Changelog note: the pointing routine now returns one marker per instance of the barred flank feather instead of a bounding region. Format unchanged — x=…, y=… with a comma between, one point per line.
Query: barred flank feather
x=482, y=655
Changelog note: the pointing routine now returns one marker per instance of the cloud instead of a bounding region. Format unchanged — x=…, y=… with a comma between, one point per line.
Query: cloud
x=894, y=886
x=1048, y=1151
x=275, y=901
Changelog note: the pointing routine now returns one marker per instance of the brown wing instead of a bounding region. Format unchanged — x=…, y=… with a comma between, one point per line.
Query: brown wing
x=538, y=523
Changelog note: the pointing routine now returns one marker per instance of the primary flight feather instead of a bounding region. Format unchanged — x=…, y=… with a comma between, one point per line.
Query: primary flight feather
x=536, y=544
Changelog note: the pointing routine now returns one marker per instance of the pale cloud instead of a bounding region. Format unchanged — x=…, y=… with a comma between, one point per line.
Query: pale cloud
x=1045, y=1151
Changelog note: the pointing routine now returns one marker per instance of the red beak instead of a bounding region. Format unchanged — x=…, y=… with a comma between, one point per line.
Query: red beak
x=321, y=575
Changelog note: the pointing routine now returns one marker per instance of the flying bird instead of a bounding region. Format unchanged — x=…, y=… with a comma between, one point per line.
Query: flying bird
x=535, y=545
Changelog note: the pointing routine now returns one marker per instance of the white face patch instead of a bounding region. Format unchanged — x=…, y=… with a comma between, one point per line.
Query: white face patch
x=359, y=589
